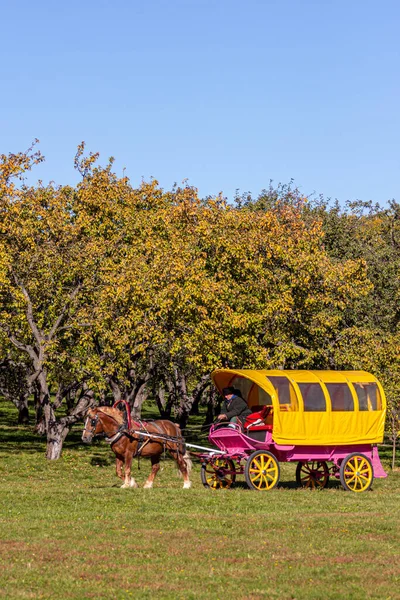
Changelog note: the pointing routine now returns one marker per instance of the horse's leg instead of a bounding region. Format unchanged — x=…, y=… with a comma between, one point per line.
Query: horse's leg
x=129, y=481
x=155, y=467
x=118, y=467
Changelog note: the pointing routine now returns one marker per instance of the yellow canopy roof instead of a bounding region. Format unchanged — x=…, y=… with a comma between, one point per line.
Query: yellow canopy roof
x=314, y=407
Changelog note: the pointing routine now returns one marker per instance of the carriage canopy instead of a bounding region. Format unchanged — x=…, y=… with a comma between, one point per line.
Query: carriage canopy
x=314, y=407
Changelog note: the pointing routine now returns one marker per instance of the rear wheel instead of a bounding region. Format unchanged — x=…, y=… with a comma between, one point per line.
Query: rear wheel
x=356, y=473
x=218, y=473
x=313, y=474
x=262, y=471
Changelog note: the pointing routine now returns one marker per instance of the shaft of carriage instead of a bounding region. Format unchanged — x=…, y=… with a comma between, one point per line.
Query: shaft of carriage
x=165, y=438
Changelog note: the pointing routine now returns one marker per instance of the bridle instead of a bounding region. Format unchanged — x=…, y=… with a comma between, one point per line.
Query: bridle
x=93, y=422
x=110, y=439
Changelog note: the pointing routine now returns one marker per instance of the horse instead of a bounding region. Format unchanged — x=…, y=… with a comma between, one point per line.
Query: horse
x=128, y=443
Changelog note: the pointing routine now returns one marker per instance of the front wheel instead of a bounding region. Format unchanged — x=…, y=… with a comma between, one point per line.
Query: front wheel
x=313, y=474
x=262, y=471
x=218, y=473
x=356, y=473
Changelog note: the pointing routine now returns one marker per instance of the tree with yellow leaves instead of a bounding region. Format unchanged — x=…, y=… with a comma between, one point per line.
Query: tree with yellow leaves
x=135, y=291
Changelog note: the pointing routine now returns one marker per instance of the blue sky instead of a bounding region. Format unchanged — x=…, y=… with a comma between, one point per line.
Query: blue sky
x=226, y=94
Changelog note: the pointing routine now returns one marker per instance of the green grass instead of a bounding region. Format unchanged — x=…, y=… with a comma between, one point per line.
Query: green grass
x=68, y=531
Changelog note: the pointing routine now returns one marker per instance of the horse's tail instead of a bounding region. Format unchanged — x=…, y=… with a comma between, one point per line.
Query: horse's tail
x=188, y=462
x=185, y=454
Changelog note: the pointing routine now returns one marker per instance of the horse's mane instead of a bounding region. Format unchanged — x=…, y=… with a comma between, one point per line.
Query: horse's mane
x=113, y=412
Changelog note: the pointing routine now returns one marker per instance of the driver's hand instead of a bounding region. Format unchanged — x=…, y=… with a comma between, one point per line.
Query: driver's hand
x=220, y=417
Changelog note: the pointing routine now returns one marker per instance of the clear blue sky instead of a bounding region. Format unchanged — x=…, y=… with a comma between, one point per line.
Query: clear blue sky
x=226, y=93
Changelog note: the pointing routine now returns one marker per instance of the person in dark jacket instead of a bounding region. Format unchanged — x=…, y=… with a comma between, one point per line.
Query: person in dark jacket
x=234, y=408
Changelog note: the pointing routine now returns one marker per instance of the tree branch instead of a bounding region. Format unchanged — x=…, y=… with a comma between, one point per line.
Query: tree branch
x=85, y=402
x=38, y=335
x=71, y=297
x=24, y=347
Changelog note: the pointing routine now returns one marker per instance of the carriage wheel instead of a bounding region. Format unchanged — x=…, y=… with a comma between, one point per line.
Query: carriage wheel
x=313, y=474
x=262, y=471
x=218, y=473
x=356, y=473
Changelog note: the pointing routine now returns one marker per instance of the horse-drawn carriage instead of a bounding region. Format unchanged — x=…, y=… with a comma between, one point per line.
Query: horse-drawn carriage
x=329, y=422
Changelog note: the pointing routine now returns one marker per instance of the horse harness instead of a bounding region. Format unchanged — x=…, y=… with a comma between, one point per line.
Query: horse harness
x=142, y=435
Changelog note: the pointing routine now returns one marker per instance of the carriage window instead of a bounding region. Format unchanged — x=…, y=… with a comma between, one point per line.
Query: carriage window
x=285, y=391
x=341, y=398
x=242, y=385
x=313, y=397
x=368, y=395
x=264, y=398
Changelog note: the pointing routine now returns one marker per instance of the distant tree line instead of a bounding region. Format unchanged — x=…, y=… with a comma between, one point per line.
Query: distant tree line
x=110, y=290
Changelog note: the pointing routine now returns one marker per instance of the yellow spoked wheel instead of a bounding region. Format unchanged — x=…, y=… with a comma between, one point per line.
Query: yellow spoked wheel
x=313, y=474
x=218, y=474
x=356, y=473
x=262, y=471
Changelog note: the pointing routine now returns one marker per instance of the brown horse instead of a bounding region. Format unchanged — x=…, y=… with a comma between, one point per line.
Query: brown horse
x=127, y=443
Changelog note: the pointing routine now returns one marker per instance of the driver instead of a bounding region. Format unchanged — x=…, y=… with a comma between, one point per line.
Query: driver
x=234, y=408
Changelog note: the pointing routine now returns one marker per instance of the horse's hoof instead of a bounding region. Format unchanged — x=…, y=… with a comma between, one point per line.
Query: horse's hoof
x=187, y=485
x=148, y=485
x=124, y=486
x=133, y=484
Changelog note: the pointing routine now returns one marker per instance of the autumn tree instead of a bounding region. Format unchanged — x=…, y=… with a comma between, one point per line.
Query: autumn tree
x=49, y=271
x=370, y=232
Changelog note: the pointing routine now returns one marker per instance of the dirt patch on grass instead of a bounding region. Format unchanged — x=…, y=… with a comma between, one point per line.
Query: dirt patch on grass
x=52, y=552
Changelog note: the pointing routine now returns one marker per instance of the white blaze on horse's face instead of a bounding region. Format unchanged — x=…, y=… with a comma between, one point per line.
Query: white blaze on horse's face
x=89, y=430
x=84, y=433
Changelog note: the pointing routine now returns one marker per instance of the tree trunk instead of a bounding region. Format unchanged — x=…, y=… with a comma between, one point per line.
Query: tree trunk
x=395, y=430
x=115, y=388
x=171, y=398
x=187, y=399
x=56, y=434
x=213, y=406
x=138, y=392
x=70, y=399
x=21, y=404
x=14, y=386
x=140, y=397
x=185, y=403
x=57, y=431
x=40, y=426
x=23, y=410
x=159, y=396
x=195, y=406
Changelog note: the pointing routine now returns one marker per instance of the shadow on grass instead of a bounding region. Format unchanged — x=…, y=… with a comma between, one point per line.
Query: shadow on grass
x=100, y=461
x=23, y=438
x=20, y=439
x=288, y=485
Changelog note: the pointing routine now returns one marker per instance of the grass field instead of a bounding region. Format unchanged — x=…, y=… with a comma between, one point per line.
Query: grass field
x=68, y=531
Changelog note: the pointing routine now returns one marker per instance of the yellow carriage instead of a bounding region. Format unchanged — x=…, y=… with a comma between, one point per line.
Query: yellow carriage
x=313, y=417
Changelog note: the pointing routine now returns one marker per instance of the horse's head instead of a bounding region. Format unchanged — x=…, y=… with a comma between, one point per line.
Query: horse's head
x=103, y=420
x=93, y=426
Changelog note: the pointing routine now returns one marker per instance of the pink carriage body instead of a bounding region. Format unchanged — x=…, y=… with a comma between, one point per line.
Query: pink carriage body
x=236, y=444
